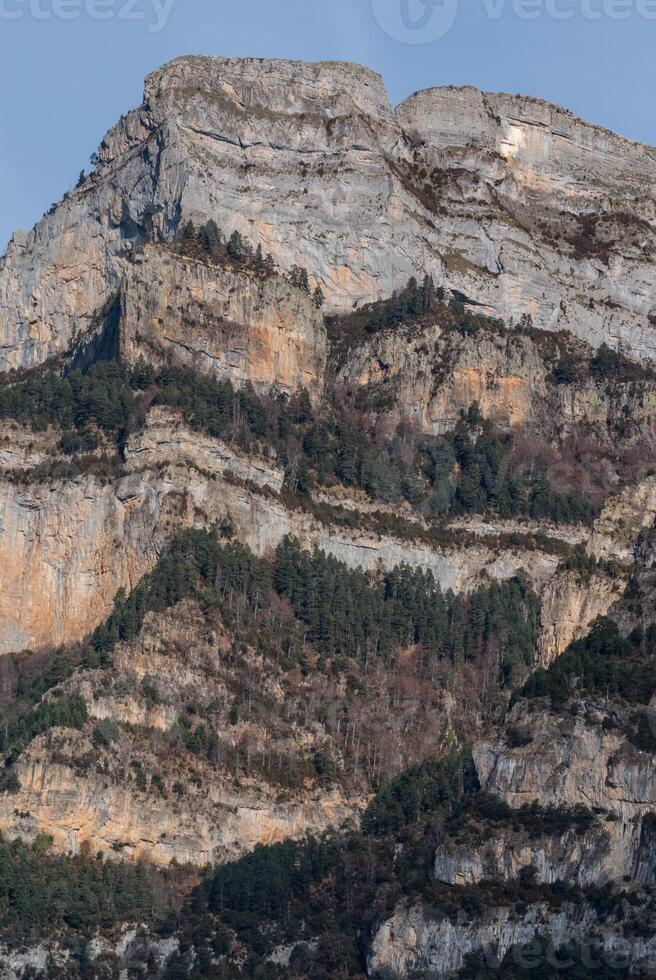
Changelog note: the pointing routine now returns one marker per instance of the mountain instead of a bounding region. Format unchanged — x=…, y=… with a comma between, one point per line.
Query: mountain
x=509, y=200
x=327, y=509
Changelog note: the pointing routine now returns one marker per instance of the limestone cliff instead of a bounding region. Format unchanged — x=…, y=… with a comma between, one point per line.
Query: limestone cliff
x=236, y=326
x=437, y=439
x=433, y=371
x=138, y=792
x=416, y=940
x=70, y=545
x=364, y=197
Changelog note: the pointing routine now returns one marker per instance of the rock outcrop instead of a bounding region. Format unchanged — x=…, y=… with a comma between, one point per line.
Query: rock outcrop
x=137, y=791
x=507, y=199
x=233, y=325
x=583, y=859
x=417, y=940
x=572, y=761
x=433, y=372
x=69, y=546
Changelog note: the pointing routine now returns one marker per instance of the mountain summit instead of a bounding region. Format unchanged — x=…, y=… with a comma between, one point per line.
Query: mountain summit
x=504, y=198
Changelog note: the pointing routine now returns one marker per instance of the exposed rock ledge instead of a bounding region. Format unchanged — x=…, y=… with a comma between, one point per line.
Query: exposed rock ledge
x=66, y=548
x=420, y=939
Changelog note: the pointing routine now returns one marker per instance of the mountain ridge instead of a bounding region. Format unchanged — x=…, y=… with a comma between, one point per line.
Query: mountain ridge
x=485, y=202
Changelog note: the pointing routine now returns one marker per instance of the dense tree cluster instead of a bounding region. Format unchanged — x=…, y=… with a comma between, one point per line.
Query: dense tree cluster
x=102, y=398
x=325, y=896
x=610, y=365
x=64, y=712
x=480, y=816
x=266, y=882
x=190, y=562
x=487, y=480
x=349, y=611
x=427, y=788
x=408, y=304
x=41, y=894
x=338, y=610
x=468, y=471
x=207, y=241
x=604, y=662
x=215, y=407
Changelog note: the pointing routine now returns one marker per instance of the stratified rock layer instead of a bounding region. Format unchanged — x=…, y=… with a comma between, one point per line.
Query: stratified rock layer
x=508, y=199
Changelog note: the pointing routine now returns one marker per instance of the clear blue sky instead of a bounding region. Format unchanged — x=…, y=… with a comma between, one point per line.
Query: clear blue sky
x=65, y=82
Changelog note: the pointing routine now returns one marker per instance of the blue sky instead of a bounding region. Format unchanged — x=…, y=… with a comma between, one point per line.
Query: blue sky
x=66, y=81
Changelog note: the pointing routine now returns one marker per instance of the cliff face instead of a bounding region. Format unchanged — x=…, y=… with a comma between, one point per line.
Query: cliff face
x=236, y=326
x=415, y=940
x=571, y=761
x=214, y=138
x=570, y=758
x=560, y=201
x=433, y=372
x=139, y=792
x=333, y=179
x=443, y=439
x=69, y=547
x=585, y=859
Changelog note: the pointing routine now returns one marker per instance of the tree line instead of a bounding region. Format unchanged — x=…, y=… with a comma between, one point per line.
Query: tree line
x=467, y=471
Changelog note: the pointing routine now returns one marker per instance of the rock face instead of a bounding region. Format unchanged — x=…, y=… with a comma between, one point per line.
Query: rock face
x=69, y=546
x=507, y=199
x=576, y=761
x=416, y=940
x=584, y=859
x=569, y=763
x=142, y=794
x=198, y=743
x=569, y=605
x=236, y=326
x=564, y=190
x=432, y=373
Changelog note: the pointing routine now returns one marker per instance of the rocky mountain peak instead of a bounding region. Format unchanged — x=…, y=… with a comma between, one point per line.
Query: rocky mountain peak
x=324, y=89
x=505, y=199
x=328, y=540
x=545, y=145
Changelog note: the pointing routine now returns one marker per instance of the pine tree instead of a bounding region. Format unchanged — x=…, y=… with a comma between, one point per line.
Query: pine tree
x=269, y=265
x=209, y=237
x=188, y=233
x=236, y=247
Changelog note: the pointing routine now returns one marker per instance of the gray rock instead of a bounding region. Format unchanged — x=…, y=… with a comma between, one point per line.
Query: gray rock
x=510, y=200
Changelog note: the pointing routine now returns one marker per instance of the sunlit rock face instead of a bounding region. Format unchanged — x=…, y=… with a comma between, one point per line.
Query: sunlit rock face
x=234, y=325
x=510, y=200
